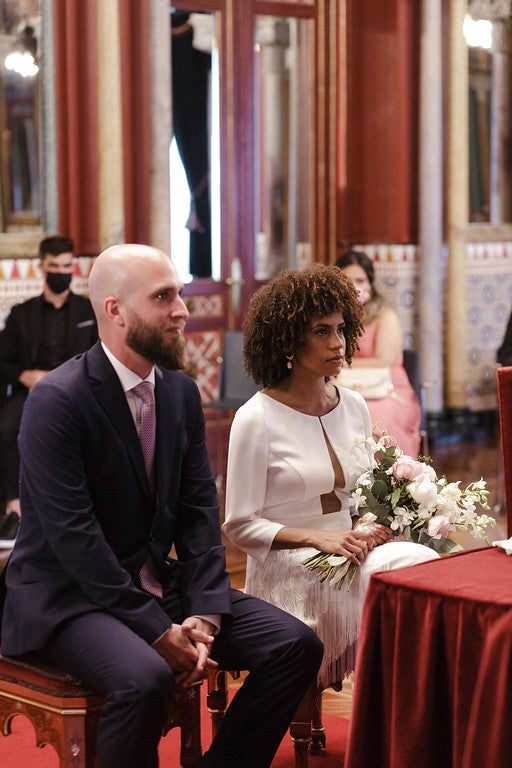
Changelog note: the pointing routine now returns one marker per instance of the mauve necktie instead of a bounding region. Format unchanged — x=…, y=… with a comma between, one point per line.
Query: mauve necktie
x=147, y=432
x=147, y=424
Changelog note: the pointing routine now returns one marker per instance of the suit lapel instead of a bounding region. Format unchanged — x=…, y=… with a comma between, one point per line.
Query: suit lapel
x=109, y=393
x=165, y=434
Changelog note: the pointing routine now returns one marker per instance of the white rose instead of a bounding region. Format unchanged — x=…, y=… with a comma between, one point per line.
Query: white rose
x=423, y=491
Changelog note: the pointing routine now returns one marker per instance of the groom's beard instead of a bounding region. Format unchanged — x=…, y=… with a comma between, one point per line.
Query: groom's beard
x=149, y=342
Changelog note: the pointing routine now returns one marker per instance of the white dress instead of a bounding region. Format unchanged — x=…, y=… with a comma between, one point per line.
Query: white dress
x=278, y=468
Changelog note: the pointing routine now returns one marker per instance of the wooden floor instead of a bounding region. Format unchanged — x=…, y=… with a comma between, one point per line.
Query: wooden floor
x=465, y=461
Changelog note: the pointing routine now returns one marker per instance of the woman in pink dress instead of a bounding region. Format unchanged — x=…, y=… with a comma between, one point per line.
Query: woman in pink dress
x=381, y=345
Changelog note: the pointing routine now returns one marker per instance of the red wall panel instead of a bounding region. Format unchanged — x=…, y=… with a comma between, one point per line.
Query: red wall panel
x=378, y=201
x=135, y=93
x=76, y=122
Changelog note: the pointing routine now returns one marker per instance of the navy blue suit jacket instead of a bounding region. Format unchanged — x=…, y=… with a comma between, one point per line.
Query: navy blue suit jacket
x=87, y=518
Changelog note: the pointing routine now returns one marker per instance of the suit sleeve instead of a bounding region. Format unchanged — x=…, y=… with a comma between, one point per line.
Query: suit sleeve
x=206, y=584
x=246, y=484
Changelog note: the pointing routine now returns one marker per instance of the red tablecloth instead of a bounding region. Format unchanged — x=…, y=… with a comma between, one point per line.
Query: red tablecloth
x=489, y=735
x=421, y=644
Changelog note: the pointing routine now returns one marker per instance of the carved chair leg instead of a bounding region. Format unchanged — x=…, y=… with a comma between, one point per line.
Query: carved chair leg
x=191, y=751
x=217, y=698
x=185, y=714
x=317, y=745
x=300, y=728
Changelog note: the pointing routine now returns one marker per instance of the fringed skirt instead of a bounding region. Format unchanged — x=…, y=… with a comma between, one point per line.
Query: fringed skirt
x=334, y=614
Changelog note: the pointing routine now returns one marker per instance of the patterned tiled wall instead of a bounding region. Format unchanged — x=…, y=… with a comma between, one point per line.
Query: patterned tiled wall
x=204, y=354
x=489, y=297
x=20, y=279
x=489, y=302
x=396, y=277
x=205, y=347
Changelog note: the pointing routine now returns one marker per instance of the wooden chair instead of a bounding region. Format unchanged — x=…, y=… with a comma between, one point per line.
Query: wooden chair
x=411, y=362
x=504, y=384
x=306, y=729
x=65, y=713
x=236, y=387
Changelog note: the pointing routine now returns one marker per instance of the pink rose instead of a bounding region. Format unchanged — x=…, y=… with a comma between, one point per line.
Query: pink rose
x=439, y=524
x=408, y=468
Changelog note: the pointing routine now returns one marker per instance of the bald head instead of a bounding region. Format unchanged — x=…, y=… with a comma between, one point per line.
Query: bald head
x=136, y=295
x=117, y=271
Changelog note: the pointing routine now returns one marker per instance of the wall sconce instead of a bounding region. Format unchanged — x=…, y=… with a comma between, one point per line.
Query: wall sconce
x=22, y=59
x=478, y=32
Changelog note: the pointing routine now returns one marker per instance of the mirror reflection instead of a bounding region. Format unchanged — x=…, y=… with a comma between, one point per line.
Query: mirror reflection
x=19, y=114
x=479, y=104
x=490, y=119
x=283, y=63
x=195, y=153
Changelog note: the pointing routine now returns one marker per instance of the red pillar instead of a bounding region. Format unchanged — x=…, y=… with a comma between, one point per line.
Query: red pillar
x=76, y=121
x=377, y=202
x=136, y=128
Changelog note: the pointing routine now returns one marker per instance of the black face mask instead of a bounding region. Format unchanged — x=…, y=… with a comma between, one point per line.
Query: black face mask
x=58, y=282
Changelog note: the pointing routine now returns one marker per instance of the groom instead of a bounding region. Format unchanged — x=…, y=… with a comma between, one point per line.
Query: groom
x=89, y=584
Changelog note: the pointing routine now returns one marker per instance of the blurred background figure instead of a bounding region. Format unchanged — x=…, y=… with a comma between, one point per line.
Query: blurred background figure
x=39, y=335
x=381, y=344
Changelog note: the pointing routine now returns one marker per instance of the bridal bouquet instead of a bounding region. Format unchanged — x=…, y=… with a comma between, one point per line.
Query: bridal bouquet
x=406, y=495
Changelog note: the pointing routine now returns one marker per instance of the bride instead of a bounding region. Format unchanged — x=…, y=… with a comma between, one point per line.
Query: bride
x=292, y=461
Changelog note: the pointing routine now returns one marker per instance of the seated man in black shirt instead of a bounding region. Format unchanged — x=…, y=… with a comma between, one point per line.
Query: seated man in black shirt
x=39, y=335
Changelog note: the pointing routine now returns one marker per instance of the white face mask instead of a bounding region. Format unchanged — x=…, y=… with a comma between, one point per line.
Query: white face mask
x=363, y=294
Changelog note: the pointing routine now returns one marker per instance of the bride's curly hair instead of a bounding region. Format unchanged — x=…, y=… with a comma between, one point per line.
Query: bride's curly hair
x=281, y=312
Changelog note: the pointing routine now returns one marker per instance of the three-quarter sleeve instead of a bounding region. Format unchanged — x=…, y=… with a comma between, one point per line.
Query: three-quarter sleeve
x=246, y=483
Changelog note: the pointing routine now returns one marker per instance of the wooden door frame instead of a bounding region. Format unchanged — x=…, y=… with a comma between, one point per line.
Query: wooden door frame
x=237, y=138
x=323, y=236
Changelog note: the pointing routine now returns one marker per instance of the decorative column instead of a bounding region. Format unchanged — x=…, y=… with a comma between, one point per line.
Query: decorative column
x=110, y=143
x=160, y=124
x=49, y=214
x=457, y=210
x=431, y=206
x=501, y=128
x=272, y=39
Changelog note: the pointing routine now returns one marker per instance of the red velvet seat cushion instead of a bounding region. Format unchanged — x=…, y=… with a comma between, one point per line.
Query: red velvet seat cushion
x=37, y=675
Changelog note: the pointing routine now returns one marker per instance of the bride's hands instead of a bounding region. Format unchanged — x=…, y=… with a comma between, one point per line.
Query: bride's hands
x=353, y=544
x=379, y=534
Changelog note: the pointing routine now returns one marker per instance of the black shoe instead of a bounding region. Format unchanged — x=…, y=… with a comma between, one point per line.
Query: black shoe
x=8, y=530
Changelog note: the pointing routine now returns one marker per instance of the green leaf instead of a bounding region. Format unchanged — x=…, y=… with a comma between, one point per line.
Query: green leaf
x=438, y=543
x=395, y=496
x=380, y=488
x=351, y=575
x=382, y=513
